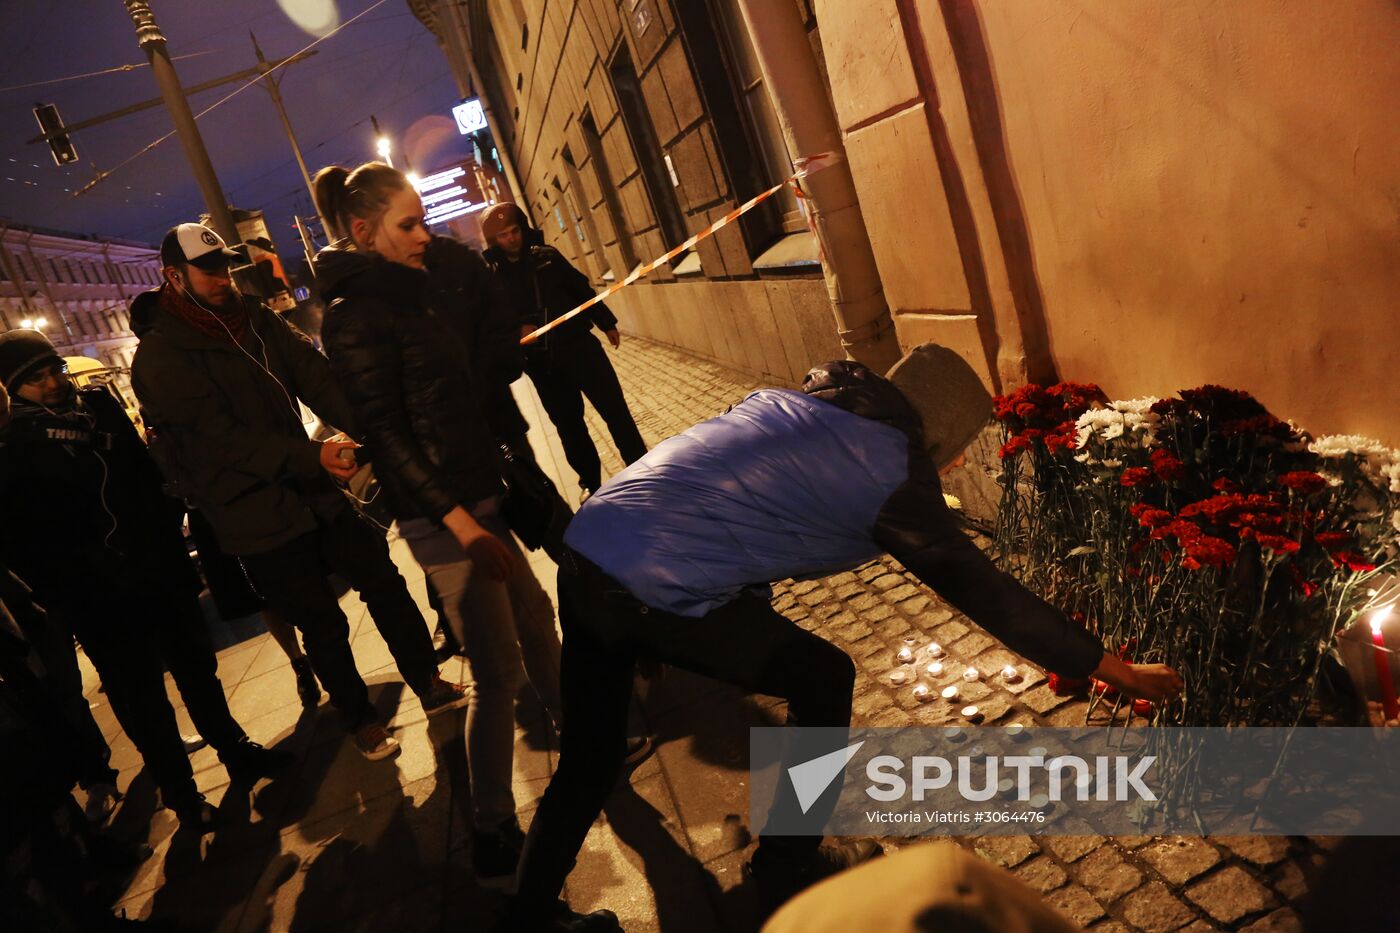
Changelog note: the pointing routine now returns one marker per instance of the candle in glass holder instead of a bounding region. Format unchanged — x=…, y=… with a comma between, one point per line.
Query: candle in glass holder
x=950, y=692
x=1010, y=674
x=970, y=712
x=935, y=668
x=1015, y=730
x=935, y=650
x=898, y=677
x=921, y=692
x=971, y=674
x=1383, y=679
x=905, y=655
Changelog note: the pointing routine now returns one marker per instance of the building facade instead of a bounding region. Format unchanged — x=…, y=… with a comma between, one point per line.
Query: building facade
x=77, y=290
x=1151, y=197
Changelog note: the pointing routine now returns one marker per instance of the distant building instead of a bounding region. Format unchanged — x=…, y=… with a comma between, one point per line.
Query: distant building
x=76, y=289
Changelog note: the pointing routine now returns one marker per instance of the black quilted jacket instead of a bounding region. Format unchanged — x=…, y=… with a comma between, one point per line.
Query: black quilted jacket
x=407, y=372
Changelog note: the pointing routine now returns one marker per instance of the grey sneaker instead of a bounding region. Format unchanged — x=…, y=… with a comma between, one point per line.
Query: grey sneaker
x=444, y=696
x=374, y=741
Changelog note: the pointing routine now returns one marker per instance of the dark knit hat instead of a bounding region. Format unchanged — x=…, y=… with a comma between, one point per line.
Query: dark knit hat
x=21, y=352
x=948, y=395
x=499, y=216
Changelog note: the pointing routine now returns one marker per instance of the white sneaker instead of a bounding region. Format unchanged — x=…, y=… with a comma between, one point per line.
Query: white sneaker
x=193, y=743
x=374, y=741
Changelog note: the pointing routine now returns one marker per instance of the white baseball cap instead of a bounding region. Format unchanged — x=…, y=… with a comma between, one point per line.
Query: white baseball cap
x=197, y=244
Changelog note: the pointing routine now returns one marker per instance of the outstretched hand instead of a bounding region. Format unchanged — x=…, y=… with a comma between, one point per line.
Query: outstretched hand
x=1155, y=683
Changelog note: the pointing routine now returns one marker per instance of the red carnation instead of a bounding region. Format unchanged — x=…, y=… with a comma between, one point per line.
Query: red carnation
x=1334, y=540
x=1209, y=551
x=1276, y=543
x=1304, y=481
x=1067, y=686
x=1154, y=518
x=1135, y=476
x=1225, y=484
x=1167, y=466
x=1014, y=446
x=1353, y=561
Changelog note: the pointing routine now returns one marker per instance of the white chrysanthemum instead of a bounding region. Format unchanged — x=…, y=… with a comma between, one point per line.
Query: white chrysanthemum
x=1379, y=463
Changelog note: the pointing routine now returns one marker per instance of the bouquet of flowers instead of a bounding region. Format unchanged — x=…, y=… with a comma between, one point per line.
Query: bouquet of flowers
x=1198, y=531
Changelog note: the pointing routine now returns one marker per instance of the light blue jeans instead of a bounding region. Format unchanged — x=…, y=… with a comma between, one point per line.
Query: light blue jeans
x=507, y=631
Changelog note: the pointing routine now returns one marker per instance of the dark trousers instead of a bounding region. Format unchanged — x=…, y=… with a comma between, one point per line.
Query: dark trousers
x=51, y=638
x=563, y=375
x=294, y=580
x=744, y=642
x=132, y=636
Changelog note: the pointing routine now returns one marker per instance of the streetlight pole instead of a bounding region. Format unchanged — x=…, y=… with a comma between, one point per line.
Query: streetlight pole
x=276, y=94
x=148, y=35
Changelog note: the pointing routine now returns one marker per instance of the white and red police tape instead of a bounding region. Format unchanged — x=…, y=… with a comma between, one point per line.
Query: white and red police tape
x=805, y=166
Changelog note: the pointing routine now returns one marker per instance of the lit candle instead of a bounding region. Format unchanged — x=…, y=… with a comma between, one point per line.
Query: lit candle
x=898, y=677
x=935, y=668
x=1010, y=674
x=969, y=712
x=1383, y=678
x=971, y=674
x=950, y=692
x=905, y=655
x=935, y=650
x=910, y=639
x=1039, y=801
x=1015, y=729
x=921, y=692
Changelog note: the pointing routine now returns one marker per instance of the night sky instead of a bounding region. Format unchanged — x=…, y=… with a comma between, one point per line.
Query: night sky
x=386, y=64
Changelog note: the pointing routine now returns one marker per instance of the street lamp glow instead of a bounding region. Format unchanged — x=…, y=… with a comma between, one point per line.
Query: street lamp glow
x=40, y=323
x=383, y=145
x=414, y=179
x=27, y=324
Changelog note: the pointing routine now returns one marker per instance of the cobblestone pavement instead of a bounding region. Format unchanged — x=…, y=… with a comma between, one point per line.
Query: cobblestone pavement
x=347, y=844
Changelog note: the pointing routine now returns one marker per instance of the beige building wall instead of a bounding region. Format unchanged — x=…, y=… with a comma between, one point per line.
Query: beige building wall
x=1146, y=195
x=582, y=177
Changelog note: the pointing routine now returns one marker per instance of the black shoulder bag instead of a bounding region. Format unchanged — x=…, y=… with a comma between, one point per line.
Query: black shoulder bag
x=532, y=505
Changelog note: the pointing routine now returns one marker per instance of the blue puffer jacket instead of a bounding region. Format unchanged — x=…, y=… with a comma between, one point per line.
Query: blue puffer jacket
x=805, y=484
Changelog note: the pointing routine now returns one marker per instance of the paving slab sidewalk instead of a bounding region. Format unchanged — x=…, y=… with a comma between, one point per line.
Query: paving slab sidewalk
x=345, y=844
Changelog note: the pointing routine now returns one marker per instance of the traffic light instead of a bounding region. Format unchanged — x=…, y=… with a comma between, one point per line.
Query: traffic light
x=59, y=143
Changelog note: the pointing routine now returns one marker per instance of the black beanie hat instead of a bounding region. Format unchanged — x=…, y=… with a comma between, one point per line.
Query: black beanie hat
x=21, y=352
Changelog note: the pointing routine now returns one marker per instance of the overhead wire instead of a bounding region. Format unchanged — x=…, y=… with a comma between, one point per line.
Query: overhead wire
x=103, y=175
x=95, y=74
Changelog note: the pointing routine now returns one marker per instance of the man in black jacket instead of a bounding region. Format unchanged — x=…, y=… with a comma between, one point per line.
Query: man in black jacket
x=475, y=306
x=568, y=363
x=220, y=377
x=84, y=521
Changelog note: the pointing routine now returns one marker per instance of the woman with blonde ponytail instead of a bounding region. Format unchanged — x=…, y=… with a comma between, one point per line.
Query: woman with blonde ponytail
x=401, y=329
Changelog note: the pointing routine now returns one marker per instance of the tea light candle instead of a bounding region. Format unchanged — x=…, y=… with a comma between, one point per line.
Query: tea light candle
x=1039, y=801
x=971, y=674
x=1016, y=732
x=970, y=712
x=898, y=677
x=905, y=655
x=1010, y=674
x=935, y=668
x=935, y=650
x=1005, y=785
x=950, y=692
x=921, y=692
x=1036, y=752
x=910, y=639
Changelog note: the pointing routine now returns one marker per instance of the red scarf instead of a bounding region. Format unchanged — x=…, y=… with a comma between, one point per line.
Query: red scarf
x=225, y=324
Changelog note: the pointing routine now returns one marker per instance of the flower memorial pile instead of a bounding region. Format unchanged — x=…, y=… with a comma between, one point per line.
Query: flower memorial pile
x=1200, y=532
